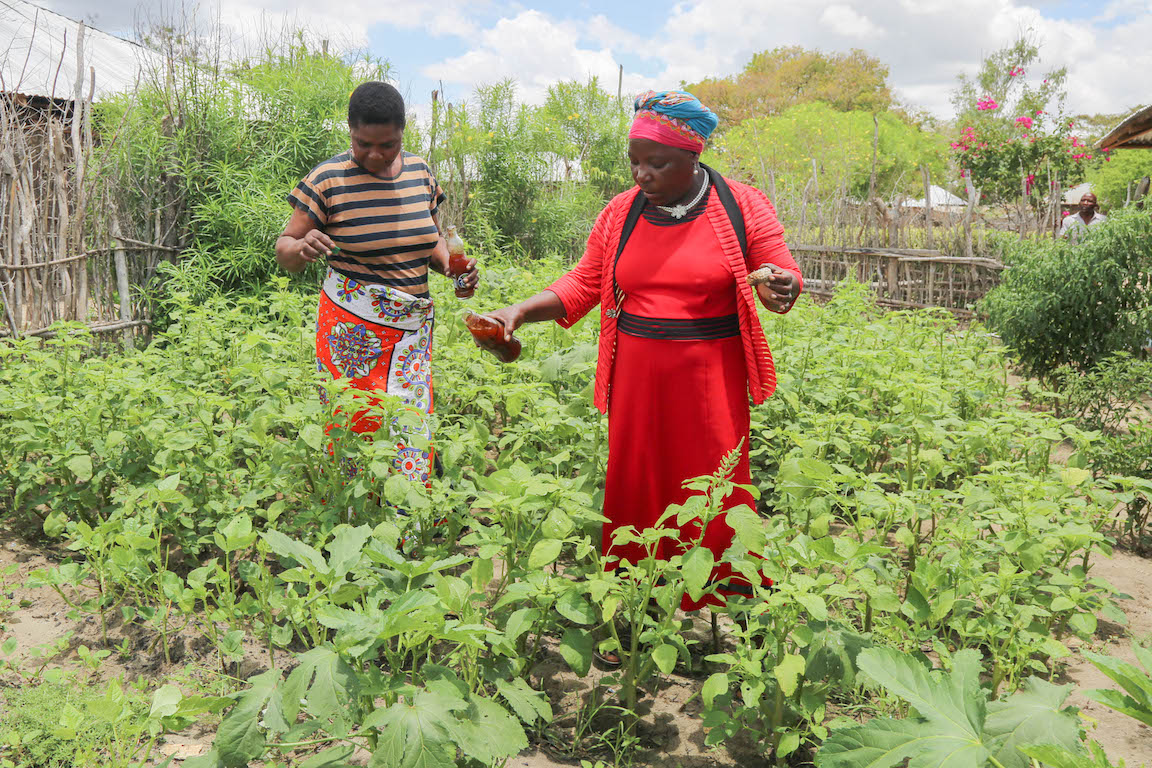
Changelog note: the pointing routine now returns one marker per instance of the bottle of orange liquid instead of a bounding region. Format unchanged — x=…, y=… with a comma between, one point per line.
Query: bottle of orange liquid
x=458, y=264
x=489, y=335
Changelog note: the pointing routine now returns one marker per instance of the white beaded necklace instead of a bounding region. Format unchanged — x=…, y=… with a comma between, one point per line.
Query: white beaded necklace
x=680, y=211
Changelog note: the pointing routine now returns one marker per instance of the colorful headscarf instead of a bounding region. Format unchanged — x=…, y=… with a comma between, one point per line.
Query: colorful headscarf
x=675, y=118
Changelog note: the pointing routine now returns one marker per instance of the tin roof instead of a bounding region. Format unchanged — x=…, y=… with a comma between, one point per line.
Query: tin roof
x=38, y=54
x=1133, y=132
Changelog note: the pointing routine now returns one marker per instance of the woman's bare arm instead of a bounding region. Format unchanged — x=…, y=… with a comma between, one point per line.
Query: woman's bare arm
x=301, y=243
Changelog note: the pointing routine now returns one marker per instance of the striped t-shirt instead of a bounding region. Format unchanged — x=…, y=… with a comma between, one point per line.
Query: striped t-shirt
x=384, y=228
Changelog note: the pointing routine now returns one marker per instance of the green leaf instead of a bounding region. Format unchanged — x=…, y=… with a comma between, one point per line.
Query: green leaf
x=788, y=672
x=884, y=743
x=789, y=743
x=1083, y=624
x=295, y=550
x=576, y=648
x=313, y=436
x=331, y=683
x=574, y=607
x=345, y=549
x=716, y=685
x=1129, y=677
x=915, y=607
x=239, y=740
x=697, y=569
x=1031, y=716
x=557, y=525
x=953, y=703
x=55, y=524
x=528, y=704
x=489, y=734
x=814, y=604
x=544, y=553
x=520, y=622
x=950, y=733
x=416, y=734
x=665, y=657
x=1123, y=704
x=81, y=466
x=210, y=759
x=166, y=701
x=1057, y=756
x=748, y=527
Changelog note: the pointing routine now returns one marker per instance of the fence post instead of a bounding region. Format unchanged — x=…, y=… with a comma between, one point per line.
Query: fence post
x=122, y=287
x=968, y=214
x=927, y=207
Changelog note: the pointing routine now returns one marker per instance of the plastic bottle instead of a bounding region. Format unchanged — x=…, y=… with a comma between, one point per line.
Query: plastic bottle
x=489, y=335
x=458, y=264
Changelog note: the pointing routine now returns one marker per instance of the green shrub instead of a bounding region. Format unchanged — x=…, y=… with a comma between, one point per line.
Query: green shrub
x=58, y=725
x=1061, y=304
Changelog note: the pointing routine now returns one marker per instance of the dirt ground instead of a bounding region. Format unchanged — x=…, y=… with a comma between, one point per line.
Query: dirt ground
x=38, y=617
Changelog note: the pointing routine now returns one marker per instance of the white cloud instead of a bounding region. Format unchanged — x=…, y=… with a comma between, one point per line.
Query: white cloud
x=537, y=51
x=925, y=43
x=845, y=21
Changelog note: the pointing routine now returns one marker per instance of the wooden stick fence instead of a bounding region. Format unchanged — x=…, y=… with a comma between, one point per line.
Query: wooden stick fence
x=62, y=256
x=907, y=278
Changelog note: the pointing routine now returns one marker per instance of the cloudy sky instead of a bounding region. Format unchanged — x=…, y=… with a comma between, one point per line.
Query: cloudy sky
x=925, y=43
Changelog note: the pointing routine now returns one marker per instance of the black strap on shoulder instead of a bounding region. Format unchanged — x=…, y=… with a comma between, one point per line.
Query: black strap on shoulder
x=629, y=225
x=723, y=192
x=735, y=215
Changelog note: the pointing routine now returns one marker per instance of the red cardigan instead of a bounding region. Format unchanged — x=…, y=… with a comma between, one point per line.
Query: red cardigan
x=590, y=282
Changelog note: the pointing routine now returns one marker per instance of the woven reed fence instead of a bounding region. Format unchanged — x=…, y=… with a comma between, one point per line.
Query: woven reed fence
x=64, y=254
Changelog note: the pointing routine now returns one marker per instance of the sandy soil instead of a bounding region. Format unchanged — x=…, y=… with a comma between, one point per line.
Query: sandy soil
x=1120, y=735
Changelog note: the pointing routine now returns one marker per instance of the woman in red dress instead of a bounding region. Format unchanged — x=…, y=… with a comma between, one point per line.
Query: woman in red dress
x=681, y=347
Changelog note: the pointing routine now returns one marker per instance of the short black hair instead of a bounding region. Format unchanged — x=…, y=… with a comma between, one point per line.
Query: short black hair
x=376, y=103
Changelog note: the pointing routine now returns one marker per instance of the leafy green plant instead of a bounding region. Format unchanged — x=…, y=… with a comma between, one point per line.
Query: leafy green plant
x=1062, y=304
x=1136, y=698
x=955, y=723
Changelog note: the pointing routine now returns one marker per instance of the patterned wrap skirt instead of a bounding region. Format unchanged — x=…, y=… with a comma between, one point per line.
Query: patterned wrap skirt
x=379, y=338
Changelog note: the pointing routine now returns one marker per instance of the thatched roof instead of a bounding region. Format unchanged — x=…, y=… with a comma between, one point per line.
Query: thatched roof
x=1134, y=132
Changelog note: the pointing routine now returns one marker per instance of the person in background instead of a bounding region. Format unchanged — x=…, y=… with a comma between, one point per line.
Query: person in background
x=681, y=347
x=372, y=213
x=1089, y=215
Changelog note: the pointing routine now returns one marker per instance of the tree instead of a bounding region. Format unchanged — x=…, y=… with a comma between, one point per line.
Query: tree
x=781, y=78
x=1111, y=178
x=781, y=151
x=1015, y=138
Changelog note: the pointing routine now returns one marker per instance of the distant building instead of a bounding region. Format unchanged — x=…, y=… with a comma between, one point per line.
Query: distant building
x=941, y=200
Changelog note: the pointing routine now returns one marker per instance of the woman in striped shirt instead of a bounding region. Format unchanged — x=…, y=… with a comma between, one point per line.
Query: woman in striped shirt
x=372, y=214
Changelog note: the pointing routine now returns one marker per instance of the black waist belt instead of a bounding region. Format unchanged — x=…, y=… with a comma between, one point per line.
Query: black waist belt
x=703, y=329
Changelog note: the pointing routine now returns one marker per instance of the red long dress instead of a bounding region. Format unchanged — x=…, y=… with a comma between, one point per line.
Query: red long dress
x=677, y=406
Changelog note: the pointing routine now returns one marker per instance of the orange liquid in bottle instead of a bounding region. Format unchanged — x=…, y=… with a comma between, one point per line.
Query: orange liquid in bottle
x=458, y=264
x=489, y=335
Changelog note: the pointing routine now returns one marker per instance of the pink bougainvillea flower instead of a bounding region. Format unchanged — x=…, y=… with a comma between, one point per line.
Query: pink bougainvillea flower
x=1024, y=121
x=986, y=104
x=1017, y=71
x=1039, y=112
